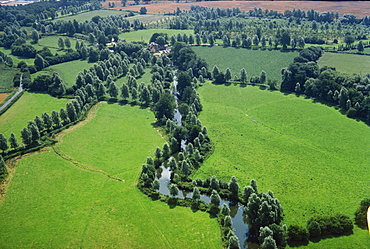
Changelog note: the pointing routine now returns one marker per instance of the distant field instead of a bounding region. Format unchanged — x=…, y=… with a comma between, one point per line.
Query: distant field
x=146, y=34
x=6, y=77
x=254, y=61
x=25, y=109
x=3, y=96
x=147, y=19
x=359, y=8
x=86, y=16
x=346, y=63
x=72, y=208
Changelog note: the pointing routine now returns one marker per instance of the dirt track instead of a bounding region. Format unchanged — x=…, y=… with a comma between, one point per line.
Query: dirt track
x=360, y=8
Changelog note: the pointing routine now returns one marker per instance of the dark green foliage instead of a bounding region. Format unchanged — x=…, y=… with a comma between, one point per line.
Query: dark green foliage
x=361, y=214
x=3, y=143
x=165, y=106
x=3, y=170
x=329, y=225
x=297, y=233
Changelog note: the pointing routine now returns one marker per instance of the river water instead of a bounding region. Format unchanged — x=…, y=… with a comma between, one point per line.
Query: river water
x=239, y=224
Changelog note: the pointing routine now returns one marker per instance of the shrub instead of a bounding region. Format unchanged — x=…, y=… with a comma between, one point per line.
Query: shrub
x=297, y=233
x=360, y=214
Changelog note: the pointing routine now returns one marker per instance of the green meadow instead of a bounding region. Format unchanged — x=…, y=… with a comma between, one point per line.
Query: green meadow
x=68, y=207
x=17, y=59
x=27, y=108
x=254, y=61
x=6, y=77
x=312, y=157
x=146, y=34
x=52, y=42
x=346, y=63
x=68, y=71
x=147, y=19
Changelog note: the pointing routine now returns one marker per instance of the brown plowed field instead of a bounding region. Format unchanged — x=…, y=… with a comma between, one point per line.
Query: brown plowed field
x=360, y=8
x=3, y=96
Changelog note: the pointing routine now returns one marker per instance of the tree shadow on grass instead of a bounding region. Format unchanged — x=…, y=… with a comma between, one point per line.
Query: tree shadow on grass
x=298, y=243
x=328, y=236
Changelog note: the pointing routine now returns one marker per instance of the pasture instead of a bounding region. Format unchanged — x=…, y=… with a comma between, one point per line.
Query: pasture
x=27, y=108
x=312, y=157
x=71, y=207
x=68, y=71
x=145, y=35
x=6, y=78
x=16, y=59
x=254, y=61
x=52, y=42
x=346, y=63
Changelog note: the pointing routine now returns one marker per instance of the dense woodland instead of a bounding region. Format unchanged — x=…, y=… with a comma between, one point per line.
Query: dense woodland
x=256, y=29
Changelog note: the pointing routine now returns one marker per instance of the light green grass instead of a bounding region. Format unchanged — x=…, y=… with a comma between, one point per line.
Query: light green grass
x=346, y=63
x=72, y=208
x=25, y=109
x=146, y=34
x=6, y=77
x=145, y=78
x=312, y=157
x=254, y=61
x=86, y=16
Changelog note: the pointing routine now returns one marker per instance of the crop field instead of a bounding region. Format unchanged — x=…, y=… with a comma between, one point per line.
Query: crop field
x=71, y=207
x=86, y=16
x=25, y=109
x=312, y=157
x=6, y=78
x=3, y=96
x=254, y=61
x=145, y=35
x=346, y=63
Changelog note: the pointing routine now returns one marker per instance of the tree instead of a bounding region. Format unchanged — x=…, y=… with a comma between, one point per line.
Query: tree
x=156, y=184
x=247, y=191
x=3, y=143
x=48, y=122
x=13, y=141
x=360, y=47
x=227, y=221
x=225, y=210
x=40, y=63
x=67, y=42
x=348, y=40
x=269, y=243
x=285, y=39
x=233, y=242
x=60, y=43
x=56, y=118
x=234, y=188
x=125, y=91
x=215, y=72
x=297, y=233
x=196, y=194
x=35, y=133
x=361, y=213
x=35, y=36
x=165, y=107
x=71, y=111
x=183, y=81
x=26, y=136
x=174, y=190
x=243, y=75
x=145, y=95
x=215, y=198
x=263, y=77
x=101, y=90
x=264, y=233
x=227, y=74
x=113, y=90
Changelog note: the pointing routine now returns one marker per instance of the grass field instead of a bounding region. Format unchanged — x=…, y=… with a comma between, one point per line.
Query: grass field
x=6, y=77
x=52, y=42
x=254, y=61
x=146, y=34
x=86, y=16
x=346, y=63
x=68, y=71
x=313, y=158
x=68, y=207
x=25, y=109
x=17, y=59
x=147, y=19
